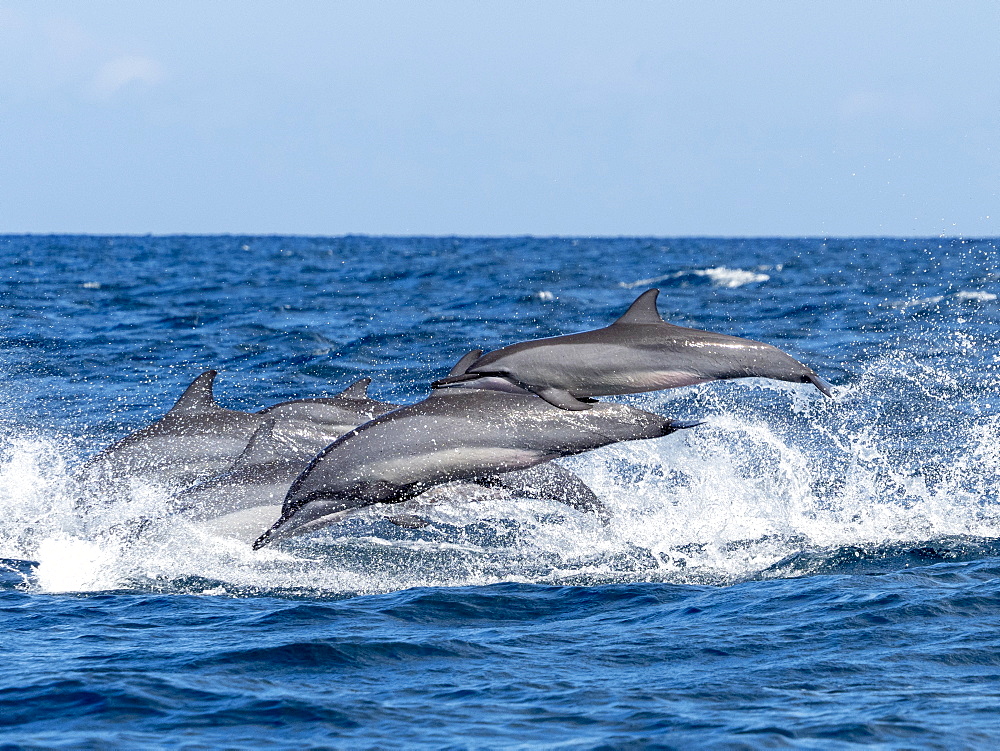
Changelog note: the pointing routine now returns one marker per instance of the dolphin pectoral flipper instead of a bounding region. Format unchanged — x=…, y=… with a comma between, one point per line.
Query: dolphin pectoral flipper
x=408, y=521
x=560, y=398
x=552, y=481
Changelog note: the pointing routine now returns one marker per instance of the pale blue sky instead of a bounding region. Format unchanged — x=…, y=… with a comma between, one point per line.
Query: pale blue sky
x=486, y=118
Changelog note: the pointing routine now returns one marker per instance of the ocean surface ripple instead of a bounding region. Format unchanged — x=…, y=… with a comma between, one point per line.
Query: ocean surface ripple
x=795, y=573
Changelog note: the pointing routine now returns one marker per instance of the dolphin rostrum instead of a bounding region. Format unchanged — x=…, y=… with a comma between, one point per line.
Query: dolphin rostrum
x=454, y=434
x=638, y=352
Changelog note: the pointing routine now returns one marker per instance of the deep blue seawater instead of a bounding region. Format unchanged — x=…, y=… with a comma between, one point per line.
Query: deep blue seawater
x=798, y=572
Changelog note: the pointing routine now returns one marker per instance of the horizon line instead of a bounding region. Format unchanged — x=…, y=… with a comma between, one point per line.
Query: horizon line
x=425, y=236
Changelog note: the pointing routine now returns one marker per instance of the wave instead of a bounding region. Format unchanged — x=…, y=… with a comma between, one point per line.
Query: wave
x=777, y=482
x=719, y=276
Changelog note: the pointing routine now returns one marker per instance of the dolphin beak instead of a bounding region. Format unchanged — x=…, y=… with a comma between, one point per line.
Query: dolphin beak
x=685, y=424
x=448, y=380
x=267, y=537
x=304, y=519
x=819, y=383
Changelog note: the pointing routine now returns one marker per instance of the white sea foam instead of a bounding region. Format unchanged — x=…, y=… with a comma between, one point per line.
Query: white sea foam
x=719, y=276
x=976, y=296
x=774, y=471
x=731, y=278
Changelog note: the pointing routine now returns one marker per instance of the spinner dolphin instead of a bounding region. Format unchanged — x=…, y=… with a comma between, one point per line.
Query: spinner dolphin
x=454, y=434
x=638, y=352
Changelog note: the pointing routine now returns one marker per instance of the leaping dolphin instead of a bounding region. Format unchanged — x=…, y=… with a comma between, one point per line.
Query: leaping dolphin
x=198, y=438
x=250, y=493
x=454, y=434
x=290, y=437
x=638, y=352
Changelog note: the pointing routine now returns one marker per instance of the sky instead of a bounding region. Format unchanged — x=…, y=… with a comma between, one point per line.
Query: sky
x=580, y=118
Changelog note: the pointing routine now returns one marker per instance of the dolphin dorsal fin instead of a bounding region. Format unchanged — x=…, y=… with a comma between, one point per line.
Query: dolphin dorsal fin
x=466, y=362
x=357, y=390
x=643, y=310
x=197, y=398
x=260, y=449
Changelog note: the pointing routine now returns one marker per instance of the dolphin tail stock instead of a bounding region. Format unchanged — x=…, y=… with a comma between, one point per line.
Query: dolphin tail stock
x=824, y=386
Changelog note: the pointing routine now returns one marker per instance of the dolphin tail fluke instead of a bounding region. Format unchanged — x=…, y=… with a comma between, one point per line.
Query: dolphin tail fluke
x=819, y=383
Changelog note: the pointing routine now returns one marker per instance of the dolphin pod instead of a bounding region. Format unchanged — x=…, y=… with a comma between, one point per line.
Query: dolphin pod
x=236, y=467
x=253, y=489
x=497, y=420
x=638, y=352
x=454, y=434
x=198, y=438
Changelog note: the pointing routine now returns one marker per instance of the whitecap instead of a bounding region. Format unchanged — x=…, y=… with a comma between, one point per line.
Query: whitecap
x=731, y=278
x=961, y=296
x=976, y=296
x=719, y=276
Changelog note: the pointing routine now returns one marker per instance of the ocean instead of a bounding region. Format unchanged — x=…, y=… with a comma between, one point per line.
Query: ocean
x=796, y=572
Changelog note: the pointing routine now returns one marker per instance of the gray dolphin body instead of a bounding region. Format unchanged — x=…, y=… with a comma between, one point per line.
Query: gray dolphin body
x=291, y=435
x=197, y=438
x=249, y=495
x=454, y=434
x=638, y=352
